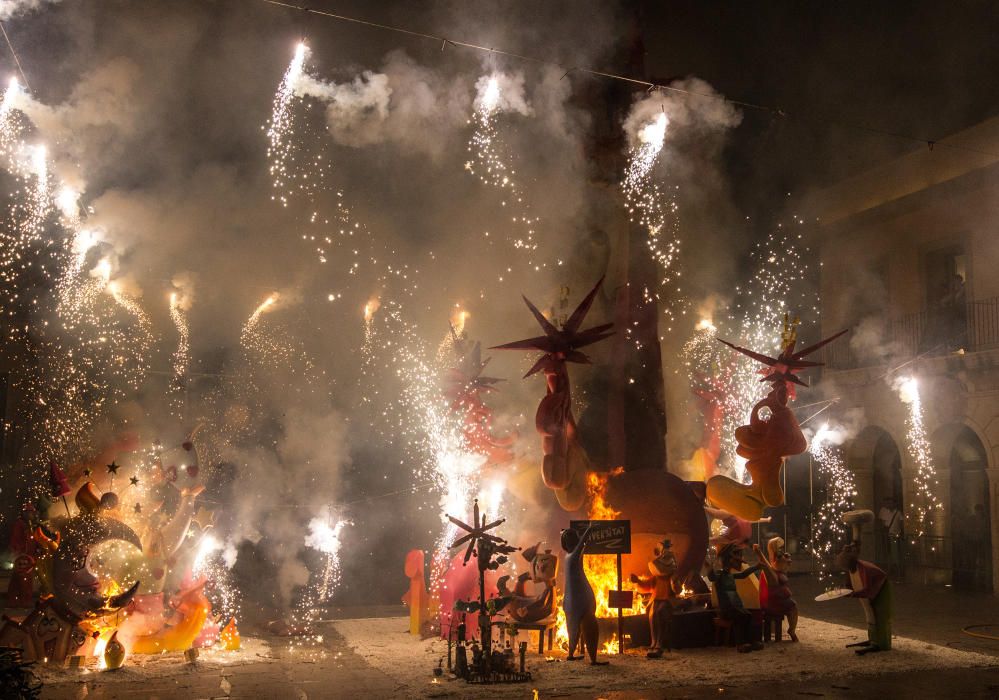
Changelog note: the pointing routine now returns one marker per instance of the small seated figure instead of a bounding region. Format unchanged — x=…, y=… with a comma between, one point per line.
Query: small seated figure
x=729, y=604
x=779, y=602
x=664, y=590
x=542, y=605
x=579, y=603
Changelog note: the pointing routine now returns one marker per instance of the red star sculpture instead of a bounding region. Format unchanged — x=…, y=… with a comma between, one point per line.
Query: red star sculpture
x=562, y=344
x=467, y=376
x=788, y=363
x=565, y=463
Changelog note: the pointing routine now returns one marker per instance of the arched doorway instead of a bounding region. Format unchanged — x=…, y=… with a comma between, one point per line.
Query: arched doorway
x=889, y=505
x=970, y=521
x=887, y=472
x=877, y=462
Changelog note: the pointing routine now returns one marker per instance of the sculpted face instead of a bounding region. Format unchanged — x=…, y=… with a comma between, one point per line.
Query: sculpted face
x=74, y=584
x=846, y=560
x=665, y=562
x=544, y=567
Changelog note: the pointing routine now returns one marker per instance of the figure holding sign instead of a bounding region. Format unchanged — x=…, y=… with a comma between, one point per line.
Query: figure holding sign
x=579, y=603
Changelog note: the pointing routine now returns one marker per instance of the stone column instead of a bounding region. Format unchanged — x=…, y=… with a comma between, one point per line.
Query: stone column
x=993, y=475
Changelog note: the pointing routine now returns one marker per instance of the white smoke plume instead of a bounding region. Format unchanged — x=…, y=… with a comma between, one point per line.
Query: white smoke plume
x=12, y=8
x=404, y=104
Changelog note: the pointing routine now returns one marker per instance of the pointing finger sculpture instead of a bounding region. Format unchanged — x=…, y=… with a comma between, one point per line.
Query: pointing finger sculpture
x=771, y=435
x=565, y=462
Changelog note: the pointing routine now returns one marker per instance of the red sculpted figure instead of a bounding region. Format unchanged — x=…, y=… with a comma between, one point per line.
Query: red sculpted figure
x=464, y=388
x=565, y=463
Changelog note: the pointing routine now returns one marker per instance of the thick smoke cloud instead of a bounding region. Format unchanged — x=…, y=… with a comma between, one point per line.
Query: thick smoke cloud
x=162, y=135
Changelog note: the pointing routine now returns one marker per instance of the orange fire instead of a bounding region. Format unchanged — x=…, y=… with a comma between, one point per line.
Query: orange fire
x=229, y=637
x=601, y=569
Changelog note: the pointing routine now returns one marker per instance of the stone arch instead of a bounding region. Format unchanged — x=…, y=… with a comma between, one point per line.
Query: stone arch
x=875, y=458
x=960, y=453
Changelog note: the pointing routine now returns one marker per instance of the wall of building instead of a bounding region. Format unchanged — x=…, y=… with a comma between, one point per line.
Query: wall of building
x=877, y=233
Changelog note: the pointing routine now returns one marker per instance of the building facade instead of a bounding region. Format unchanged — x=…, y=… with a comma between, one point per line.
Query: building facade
x=910, y=262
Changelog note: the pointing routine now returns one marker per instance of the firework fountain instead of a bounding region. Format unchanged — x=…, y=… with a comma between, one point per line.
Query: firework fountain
x=828, y=529
x=924, y=503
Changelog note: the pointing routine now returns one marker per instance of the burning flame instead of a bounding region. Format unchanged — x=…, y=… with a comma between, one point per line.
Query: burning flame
x=229, y=637
x=601, y=570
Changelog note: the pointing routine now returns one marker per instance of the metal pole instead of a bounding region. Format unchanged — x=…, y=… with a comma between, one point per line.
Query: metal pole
x=786, y=506
x=620, y=615
x=811, y=510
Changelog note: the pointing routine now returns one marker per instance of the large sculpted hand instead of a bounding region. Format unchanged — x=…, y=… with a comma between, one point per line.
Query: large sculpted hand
x=764, y=443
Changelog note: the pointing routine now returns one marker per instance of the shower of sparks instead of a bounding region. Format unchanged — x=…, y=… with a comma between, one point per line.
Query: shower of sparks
x=143, y=335
x=325, y=537
x=280, y=132
x=9, y=130
x=182, y=355
x=249, y=328
x=41, y=200
x=779, y=285
x=297, y=151
x=272, y=344
x=490, y=166
x=701, y=353
x=655, y=211
x=923, y=499
x=423, y=420
x=828, y=530
x=212, y=560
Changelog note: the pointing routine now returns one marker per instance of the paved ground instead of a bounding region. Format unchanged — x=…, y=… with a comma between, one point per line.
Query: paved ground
x=332, y=670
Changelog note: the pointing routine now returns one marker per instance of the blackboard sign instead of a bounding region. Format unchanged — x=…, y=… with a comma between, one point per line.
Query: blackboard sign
x=606, y=537
x=620, y=599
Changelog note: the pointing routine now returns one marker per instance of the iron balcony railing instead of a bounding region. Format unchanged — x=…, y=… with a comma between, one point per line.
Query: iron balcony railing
x=944, y=329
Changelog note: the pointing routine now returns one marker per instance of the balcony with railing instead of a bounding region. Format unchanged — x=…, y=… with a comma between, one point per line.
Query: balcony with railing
x=969, y=327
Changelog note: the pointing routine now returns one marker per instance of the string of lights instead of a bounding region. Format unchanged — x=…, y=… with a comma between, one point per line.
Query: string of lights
x=648, y=85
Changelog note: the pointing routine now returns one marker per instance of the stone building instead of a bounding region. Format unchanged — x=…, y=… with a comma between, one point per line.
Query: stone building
x=910, y=261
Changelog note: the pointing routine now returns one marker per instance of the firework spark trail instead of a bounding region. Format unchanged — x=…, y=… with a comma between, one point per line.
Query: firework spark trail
x=299, y=168
x=923, y=499
x=182, y=355
x=655, y=211
x=41, y=199
x=280, y=132
x=490, y=166
x=425, y=423
x=778, y=287
x=145, y=336
x=828, y=530
x=11, y=127
x=213, y=560
x=325, y=537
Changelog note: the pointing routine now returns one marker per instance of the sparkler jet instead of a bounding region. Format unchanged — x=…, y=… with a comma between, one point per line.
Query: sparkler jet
x=767, y=440
x=465, y=385
x=788, y=363
x=565, y=462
